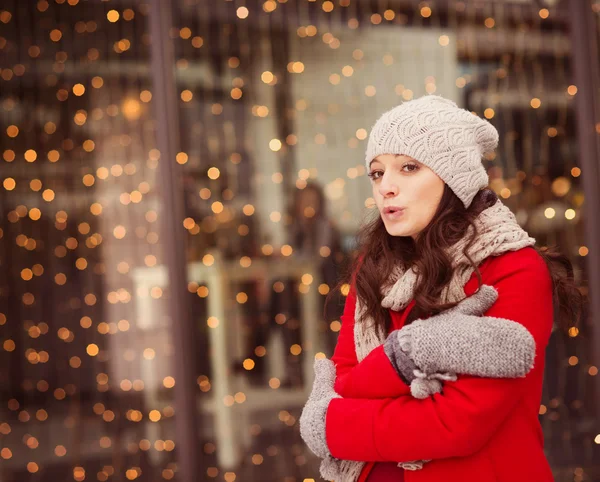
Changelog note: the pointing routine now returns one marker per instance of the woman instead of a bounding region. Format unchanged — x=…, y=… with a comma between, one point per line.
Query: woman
x=447, y=283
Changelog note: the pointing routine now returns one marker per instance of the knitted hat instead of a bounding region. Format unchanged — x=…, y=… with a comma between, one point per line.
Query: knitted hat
x=436, y=132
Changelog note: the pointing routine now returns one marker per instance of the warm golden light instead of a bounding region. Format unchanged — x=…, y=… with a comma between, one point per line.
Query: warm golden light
x=78, y=89
x=181, y=158
x=275, y=145
x=112, y=16
x=132, y=109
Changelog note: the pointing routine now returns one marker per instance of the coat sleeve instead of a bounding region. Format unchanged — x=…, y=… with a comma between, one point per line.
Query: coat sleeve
x=374, y=377
x=460, y=420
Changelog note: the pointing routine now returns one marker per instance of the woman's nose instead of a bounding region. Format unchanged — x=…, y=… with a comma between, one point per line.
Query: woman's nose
x=387, y=187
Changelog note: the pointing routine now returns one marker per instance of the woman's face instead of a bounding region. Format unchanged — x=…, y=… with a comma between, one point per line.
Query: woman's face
x=407, y=193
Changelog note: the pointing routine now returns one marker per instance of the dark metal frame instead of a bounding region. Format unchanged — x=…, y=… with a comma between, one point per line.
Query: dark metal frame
x=167, y=137
x=587, y=78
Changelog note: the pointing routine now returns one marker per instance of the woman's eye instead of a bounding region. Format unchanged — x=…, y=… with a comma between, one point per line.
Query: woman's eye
x=410, y=167
x=375, y=175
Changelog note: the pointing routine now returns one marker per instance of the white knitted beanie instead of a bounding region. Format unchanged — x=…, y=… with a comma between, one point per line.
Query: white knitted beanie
x=449, y=140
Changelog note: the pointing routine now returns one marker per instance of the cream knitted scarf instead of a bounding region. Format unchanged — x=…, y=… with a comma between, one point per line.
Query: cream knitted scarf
x=497, y=233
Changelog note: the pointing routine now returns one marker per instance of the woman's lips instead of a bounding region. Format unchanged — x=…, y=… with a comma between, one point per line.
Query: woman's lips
x=393, y=214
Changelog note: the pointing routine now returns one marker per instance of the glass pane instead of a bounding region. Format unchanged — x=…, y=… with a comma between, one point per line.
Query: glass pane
x=87, y=354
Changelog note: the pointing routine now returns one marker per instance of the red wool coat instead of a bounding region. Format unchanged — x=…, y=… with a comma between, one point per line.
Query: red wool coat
x=477, y=429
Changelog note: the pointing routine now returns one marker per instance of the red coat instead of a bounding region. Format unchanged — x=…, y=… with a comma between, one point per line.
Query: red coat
x=477, y=429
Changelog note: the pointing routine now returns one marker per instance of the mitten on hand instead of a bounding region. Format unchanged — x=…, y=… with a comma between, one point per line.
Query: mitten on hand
x=398, y=348
x=312, y=420
x=460, y=340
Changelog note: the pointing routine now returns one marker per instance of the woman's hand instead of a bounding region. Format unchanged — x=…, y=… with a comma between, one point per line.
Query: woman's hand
x=312, y=420
x=460, y=340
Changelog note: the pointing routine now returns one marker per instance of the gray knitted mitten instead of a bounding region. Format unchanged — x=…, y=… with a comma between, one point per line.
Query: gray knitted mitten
x=458, y=342
x=312, y=420
x=406, y=367
x=461, y=341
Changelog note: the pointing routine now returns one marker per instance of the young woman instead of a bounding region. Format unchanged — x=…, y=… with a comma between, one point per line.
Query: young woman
x=447, y=284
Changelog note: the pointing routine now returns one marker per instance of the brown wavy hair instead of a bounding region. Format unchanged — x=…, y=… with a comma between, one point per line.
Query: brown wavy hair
x=378, y=253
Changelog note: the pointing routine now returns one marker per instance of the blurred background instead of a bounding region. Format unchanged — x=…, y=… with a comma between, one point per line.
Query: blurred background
x=182, y=184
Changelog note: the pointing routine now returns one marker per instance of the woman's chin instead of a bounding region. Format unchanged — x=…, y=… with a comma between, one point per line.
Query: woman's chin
x=398, y=229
